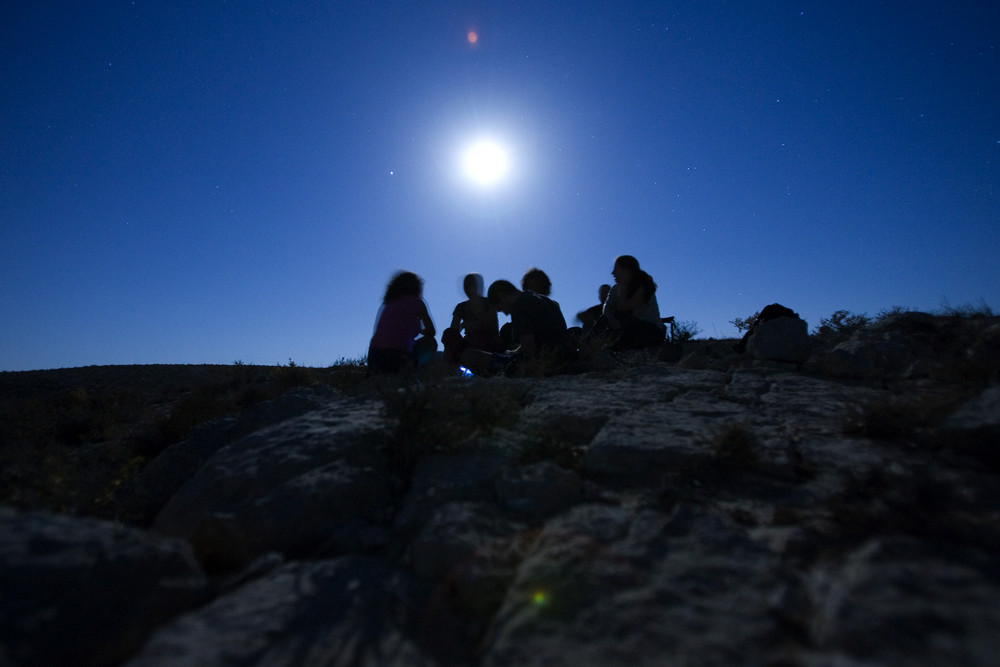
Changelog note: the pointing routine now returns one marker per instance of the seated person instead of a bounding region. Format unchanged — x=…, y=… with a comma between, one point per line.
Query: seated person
x=588, y=318
x=476, y=317
x=534, y=280
x=404, y=332
x=538, y=327
x=631, y=312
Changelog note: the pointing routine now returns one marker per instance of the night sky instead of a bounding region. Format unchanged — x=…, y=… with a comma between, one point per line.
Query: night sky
x=210, y=181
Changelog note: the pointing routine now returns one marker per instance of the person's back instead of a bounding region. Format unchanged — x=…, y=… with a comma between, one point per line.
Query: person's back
x=398, y=324
x=539, y=316
x=404, y=332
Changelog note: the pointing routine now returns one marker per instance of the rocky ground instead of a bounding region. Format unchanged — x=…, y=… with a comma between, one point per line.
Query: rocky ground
x=837, y=508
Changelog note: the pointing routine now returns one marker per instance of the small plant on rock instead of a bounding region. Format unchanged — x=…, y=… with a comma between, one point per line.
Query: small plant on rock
x=685, y=331
x=735, y=446
x=743, y=324
x=967, y=311
x=842, y=323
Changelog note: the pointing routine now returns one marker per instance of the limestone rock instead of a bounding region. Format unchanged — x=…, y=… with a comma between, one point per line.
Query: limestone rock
x=974, y=428
x=638, y=576
x=313, y=480
x=916, y=345
x=538, y=490
x=86, y=592
x=471, y=551
x=640, y=514
x=341, y=612
x=173, y=467
x=780, y=339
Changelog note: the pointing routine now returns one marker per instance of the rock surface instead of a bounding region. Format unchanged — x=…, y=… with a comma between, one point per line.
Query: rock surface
x=83, y=592
x=647, y=514
x=781, y=339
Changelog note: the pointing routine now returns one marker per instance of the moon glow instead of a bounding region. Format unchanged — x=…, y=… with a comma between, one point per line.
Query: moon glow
x=486, y=162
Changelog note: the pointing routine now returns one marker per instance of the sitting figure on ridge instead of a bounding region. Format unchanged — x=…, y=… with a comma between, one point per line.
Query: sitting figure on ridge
x=631, y=312
x=538, y=328
x=404, y=333
x=588, y=318
x=476, y=317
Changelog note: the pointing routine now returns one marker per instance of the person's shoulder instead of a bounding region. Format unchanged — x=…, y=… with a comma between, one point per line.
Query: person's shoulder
x=527, y=296
x=412, y=301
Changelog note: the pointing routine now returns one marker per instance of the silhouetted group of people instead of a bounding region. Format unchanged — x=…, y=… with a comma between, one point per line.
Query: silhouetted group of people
x=627, y=317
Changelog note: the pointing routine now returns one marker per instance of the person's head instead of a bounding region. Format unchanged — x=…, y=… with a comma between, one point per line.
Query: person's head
x=626, y=269
x=535, y=280
x=630, y=277
x=473, y=285
x=603, y=291
x=502, y=294
x=404, y=283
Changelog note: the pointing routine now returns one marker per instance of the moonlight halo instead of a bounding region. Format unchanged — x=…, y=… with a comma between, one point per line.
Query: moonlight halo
x=486, y=162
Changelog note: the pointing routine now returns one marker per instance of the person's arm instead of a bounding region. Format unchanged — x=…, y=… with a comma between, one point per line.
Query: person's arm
x=637, y=300
x=456, y=317
x=425, y=319
x=610, y=306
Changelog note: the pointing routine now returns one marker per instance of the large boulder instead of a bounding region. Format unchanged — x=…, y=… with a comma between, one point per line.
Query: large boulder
x=974, y=428
x=175, y=465
x=867, y=355
x=320, y=481
x=783, y=339
x=85, y=592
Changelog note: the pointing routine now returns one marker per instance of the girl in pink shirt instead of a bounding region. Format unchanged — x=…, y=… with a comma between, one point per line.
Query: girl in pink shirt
x=404, y=332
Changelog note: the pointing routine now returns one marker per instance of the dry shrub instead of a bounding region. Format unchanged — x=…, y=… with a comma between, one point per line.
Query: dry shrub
x=441, y=416
x=347, y=373
x=69, y=449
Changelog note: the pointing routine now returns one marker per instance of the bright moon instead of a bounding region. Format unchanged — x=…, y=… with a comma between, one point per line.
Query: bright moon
x=486, y=162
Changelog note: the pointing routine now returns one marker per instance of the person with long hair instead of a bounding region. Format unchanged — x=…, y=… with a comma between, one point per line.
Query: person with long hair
x=404, y=331
x=631, y=311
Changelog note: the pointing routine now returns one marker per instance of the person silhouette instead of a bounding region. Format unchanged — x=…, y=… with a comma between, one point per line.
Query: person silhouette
x=538, y=326
x=476, y=317
x=631, y=311
x=588, y=318
x=404, y=332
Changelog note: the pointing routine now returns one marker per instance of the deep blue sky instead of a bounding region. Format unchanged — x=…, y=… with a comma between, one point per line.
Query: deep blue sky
x=210, y=181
